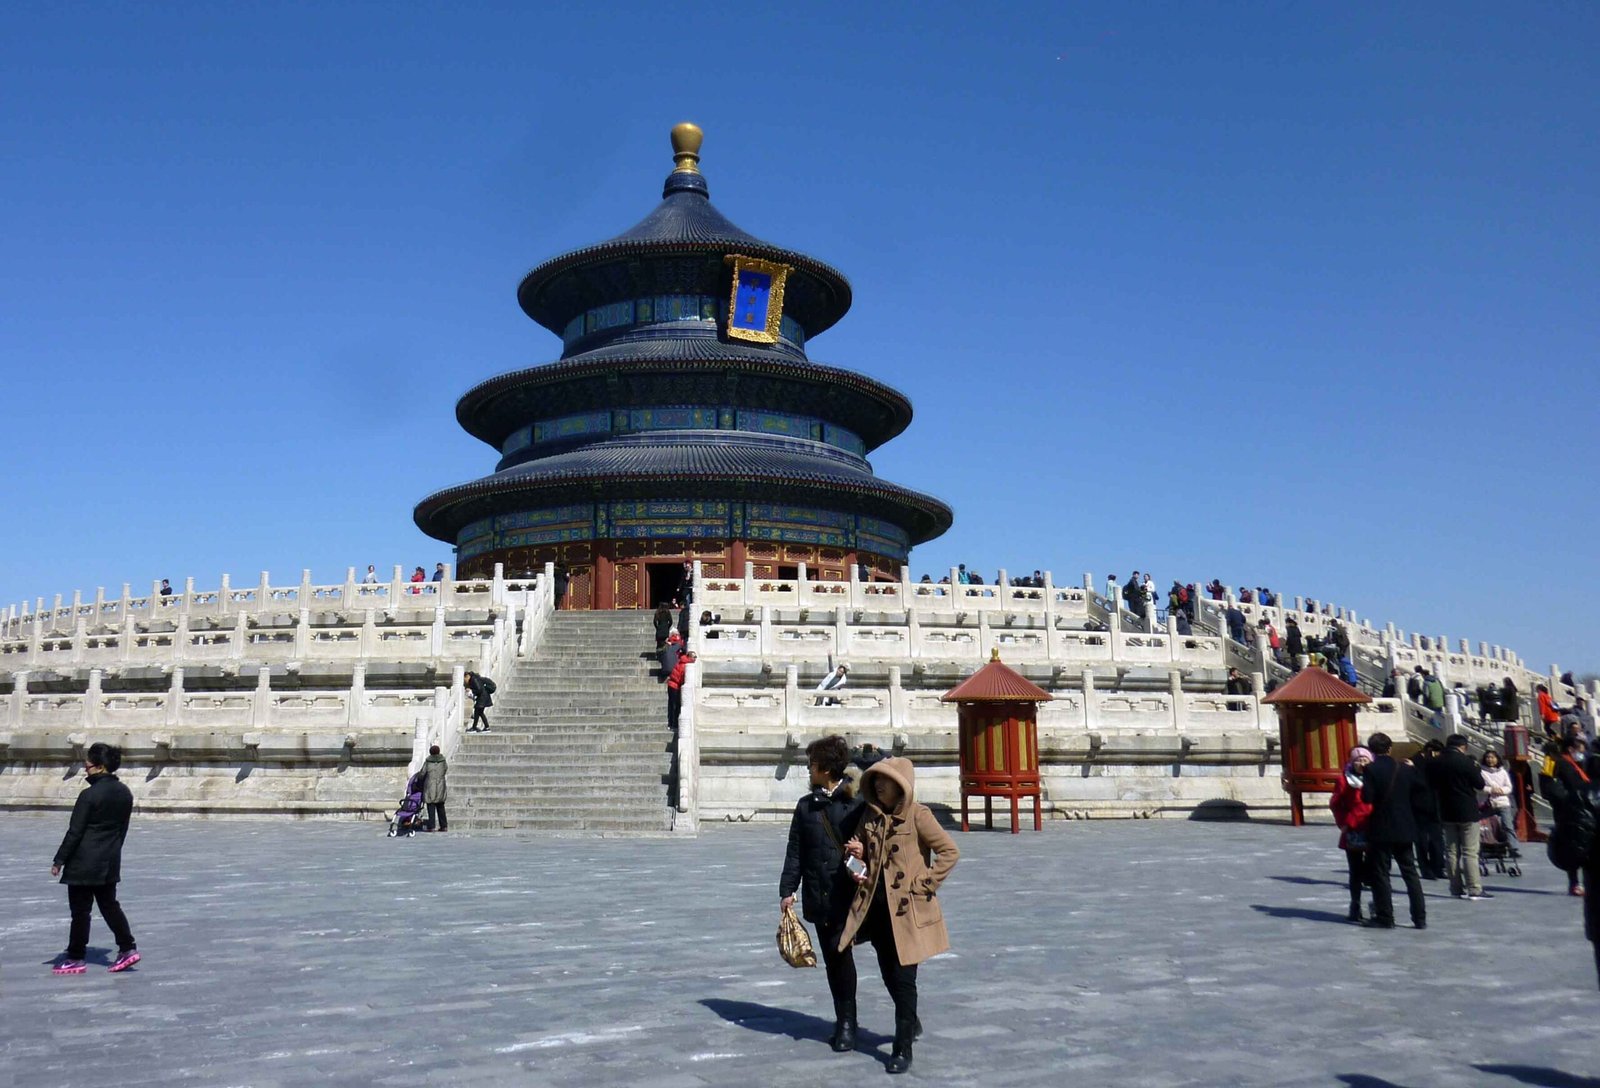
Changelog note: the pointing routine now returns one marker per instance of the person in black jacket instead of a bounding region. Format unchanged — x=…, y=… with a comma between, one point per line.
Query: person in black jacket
x=1425, y=807
x=824, y=820
x=1510, y=704
x=89, y=861
x=1456, y=780
x=1294, y=642
x=1391, y=833
x=482, y=690
x=1569, y=788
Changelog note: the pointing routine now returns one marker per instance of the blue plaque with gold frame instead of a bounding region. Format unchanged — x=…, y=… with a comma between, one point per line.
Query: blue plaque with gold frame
x=755, y=306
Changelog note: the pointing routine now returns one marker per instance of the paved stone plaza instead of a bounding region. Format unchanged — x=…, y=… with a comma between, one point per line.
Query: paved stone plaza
x=1100, y=953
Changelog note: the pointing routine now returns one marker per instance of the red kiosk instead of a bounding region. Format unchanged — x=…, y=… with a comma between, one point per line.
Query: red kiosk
x=999, y=711
x=1316, y=730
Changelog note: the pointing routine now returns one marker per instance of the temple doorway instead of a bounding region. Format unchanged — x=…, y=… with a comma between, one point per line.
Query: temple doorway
x=665, y=582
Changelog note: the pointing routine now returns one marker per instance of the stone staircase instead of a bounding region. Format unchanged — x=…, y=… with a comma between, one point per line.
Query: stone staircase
x=580, y=739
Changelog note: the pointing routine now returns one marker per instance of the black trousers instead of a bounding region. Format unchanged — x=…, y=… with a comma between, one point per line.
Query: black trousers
x=1381, y=854
x=436, y=817
x=674, y=707
x=478, y=714
x=900, y=981
x=1360, y=876
x=841, y=969
x=80, y=897
x=1430, y=850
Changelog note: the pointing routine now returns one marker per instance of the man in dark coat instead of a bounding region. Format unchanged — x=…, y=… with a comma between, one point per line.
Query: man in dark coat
x=1425, y=812
x=1456, y=779
x=89, y=861
x=1236, y=622
x=824, y=820
x=563, y=583
x=1294, y=642
x=1510, y=704
x=1391, y=833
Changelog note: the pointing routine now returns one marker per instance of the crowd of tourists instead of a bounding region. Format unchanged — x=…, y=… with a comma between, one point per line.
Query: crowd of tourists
x=1429, y=816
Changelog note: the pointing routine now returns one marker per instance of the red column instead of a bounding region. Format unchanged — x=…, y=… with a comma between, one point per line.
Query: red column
x=605, y=583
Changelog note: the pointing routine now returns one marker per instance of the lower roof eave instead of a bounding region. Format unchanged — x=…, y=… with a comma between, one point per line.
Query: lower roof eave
x=442, y=514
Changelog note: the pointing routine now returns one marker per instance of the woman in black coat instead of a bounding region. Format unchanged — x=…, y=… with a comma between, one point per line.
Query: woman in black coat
x=89, y=861
x=1510, y=705
x=824, y=820
x=663, y=626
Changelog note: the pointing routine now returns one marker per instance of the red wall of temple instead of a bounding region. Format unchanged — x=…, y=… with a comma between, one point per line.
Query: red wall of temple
x=612, y=574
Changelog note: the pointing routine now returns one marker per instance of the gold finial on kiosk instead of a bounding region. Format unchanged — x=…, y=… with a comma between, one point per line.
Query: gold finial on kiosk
x=686, y=139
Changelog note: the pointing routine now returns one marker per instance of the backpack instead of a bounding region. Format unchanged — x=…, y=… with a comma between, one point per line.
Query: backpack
x=1573, y=837
x=487, y=685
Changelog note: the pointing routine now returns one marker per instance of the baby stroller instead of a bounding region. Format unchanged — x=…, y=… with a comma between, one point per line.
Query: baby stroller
x=1495, y=850
x=408, y=818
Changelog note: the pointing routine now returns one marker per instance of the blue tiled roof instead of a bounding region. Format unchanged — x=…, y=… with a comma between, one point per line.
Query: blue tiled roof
x=688, y=218
x=664, y=352
x=734, y=457
x=684, y=220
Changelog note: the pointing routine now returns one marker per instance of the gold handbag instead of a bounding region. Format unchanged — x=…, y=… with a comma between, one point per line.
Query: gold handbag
x=794, y=943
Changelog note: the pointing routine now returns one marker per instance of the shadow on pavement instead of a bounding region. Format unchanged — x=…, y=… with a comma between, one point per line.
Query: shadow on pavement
x=1511, y=889
x=1362, y=1080
x=796, y=1025
x=1302, y=913
x=1545, y=1078
x=99, y=956
x=1312, y=880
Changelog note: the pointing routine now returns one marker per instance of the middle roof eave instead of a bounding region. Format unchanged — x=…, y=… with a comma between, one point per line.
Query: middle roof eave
x=476, y=413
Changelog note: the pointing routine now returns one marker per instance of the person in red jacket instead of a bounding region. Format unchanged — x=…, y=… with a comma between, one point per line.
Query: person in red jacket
x=1549, y=716
x=675, y=689
x=1350, y=812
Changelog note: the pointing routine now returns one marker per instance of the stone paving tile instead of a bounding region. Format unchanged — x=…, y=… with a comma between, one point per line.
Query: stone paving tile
x=1157, y=954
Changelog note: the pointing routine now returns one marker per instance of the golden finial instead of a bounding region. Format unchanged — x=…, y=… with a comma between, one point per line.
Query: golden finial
x=686, y=139
x=994, y=654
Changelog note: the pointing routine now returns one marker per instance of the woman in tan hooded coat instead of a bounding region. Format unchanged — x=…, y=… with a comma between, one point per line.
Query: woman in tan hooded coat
x=896, y=906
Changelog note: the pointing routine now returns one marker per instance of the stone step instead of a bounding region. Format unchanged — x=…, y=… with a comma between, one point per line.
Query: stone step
x=648, y=705
x=599, y=755
x=576, y=739
x=651, y=695
x=511, y=773
x=632, y=808
x=621, y=825
x=532, y=718
x=569, y=738
x=530, y=758
x=615, y=701
x=532, y=670
x=532, y=799
x=602, y=689
x=612, y=757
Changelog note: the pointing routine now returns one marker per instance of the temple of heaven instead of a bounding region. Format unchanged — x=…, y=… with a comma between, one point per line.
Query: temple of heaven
x=683, y=420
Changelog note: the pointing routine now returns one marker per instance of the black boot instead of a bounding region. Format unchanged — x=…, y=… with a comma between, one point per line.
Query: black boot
x=900, y=1056
x=844, y=1027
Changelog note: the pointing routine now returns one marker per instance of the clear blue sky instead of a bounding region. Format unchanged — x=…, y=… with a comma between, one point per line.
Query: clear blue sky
x=1298, y=295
